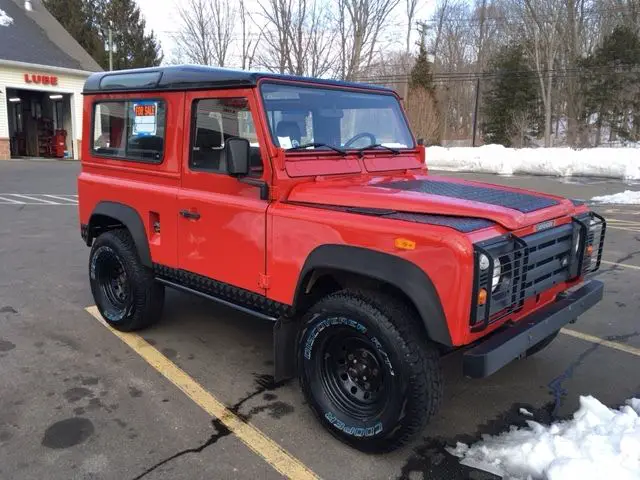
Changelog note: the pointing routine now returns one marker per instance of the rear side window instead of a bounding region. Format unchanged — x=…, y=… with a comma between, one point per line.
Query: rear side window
x=130, y=130
x=214, y=122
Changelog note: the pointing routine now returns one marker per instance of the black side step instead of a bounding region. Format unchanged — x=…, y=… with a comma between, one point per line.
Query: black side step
x=219, y=300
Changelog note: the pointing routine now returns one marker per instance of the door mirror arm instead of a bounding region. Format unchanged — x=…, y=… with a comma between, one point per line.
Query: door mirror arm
x=257, y=182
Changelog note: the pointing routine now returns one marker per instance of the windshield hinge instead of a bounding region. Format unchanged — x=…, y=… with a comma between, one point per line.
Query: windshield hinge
x=274, y=193
x=264, y=281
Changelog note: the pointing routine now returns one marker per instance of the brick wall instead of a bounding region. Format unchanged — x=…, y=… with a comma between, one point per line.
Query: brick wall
x=5, y=153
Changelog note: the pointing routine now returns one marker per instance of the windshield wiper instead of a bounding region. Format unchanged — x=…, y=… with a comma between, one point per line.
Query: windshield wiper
x=316, y=145
x=377, y=145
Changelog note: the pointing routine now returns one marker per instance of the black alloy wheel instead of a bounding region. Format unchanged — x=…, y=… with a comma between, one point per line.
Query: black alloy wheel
x=125, y=291
x=367, y=370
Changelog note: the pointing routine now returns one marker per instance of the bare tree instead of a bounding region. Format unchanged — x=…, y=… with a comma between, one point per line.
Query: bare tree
x=275, y=54
x=540, y=22
x=361, y=23
x=410, y=10
x=297, y=36
x=206, y=31
x=222, y=19
x=194, y=40
x=249, y=43
x=520, y=122
x=321, y=39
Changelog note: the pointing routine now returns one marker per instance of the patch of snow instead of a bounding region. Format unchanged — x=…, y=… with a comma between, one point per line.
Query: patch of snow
x=622, y=163
x=628, y=197
x=597, y=443
x=526, y=412
x=5, y=20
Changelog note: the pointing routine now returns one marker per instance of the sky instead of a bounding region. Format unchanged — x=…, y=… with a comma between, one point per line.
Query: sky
x=162, y=17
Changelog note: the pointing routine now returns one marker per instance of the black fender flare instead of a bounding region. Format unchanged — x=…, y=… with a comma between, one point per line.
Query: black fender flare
x=401, y=273
x=131, y=219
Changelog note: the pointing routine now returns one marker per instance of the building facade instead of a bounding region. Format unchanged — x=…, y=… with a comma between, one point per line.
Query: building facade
x=42, y=74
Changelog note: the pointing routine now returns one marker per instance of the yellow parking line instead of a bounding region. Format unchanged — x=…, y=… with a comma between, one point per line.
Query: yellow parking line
x=270, y=451
x=601, y=341
x=623, y=265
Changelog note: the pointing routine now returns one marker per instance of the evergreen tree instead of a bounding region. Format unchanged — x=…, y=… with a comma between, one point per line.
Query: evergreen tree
x=88, y=21
x=421, y=75
x=77, y=17
x=611, y=85
x=133, y=47
x=510, y=103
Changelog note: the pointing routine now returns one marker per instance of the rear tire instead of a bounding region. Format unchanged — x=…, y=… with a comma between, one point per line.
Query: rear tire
x=367, y=370
x=125, y=291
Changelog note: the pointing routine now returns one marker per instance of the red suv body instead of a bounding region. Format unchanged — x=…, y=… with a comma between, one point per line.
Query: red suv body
x=308, y=202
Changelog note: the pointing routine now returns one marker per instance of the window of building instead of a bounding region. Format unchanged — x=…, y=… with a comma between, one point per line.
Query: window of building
x=217, y=120
x=130, y=130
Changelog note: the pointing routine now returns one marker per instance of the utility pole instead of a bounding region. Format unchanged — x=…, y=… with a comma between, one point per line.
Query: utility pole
x=110, y=49
x=475, y=112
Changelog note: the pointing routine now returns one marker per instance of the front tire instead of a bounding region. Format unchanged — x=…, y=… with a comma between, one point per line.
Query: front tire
x=125, y=291
x=367, y=370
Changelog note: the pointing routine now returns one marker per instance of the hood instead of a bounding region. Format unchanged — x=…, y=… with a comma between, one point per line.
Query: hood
x=510, y=207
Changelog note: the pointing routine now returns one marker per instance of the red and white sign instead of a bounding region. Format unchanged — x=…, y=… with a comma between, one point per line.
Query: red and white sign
x=40, y=79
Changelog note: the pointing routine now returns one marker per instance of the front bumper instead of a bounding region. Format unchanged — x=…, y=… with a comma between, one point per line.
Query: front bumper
x=506, y=345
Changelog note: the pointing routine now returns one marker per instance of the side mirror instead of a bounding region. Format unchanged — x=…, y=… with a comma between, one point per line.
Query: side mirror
x=237, y=152
x=420, y=141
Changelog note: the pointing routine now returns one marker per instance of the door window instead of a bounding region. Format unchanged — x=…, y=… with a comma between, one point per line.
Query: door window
x=216, y=120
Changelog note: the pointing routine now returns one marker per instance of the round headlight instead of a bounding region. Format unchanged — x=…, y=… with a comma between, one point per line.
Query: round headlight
x=497, y=272
x=483, y=262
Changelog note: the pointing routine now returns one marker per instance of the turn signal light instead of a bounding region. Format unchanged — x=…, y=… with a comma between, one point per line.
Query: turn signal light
x=589, y=249
x=482, y=297
x=405, y=244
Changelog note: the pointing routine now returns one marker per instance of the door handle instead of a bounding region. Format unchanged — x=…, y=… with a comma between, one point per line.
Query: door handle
x=190, y=214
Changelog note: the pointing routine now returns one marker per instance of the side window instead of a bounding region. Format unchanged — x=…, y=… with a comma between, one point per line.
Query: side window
x=130, y=130
x=214, y=122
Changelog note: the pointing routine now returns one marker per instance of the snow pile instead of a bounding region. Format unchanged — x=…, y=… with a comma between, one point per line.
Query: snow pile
x=623, y=163
x=598, y=443
x=628, y=197
x=5, y=20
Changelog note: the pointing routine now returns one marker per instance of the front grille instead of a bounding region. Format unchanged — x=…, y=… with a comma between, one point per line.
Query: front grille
x=533, y=264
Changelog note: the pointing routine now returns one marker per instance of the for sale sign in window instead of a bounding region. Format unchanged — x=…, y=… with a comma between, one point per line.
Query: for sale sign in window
x=145, y=118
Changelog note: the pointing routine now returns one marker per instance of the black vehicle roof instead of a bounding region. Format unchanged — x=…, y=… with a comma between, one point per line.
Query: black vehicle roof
x=195, y=77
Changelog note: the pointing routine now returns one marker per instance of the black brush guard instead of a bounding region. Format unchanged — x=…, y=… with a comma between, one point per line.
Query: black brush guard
x=533, y=264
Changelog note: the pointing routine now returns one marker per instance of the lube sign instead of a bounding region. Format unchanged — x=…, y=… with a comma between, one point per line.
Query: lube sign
x=39, y=79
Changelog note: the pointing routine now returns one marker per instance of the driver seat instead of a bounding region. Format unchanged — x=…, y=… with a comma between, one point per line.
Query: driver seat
x=286, y=128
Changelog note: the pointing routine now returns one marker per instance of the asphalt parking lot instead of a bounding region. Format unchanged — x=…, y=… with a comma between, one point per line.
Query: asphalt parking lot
x=76, y=401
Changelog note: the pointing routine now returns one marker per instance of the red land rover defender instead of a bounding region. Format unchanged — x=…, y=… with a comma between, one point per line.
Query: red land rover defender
x=308, y=203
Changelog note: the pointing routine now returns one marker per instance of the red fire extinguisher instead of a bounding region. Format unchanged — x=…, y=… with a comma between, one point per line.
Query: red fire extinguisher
x=59, y=143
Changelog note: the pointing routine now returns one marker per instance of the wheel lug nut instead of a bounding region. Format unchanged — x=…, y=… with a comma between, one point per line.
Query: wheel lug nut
x=364, y=377
x=375, y=371
x=350, y=356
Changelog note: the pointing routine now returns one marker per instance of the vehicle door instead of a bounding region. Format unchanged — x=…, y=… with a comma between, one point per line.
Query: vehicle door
x=222, y=218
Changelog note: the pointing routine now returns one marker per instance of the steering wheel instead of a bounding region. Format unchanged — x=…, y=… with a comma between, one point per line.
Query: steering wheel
x=357, y=137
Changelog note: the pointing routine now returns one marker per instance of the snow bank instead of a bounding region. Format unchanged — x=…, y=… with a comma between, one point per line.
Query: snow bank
x=5, y=20
x=628, y=197
x=623, y=163
x=598, y=443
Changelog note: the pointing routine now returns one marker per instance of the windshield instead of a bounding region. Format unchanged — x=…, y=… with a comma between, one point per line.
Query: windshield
x=330, y=119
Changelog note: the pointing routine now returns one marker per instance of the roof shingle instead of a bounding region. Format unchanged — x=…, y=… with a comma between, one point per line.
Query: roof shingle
x=37, y=37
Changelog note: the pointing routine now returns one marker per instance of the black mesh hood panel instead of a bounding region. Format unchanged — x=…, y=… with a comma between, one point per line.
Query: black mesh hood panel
x=523, y=202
